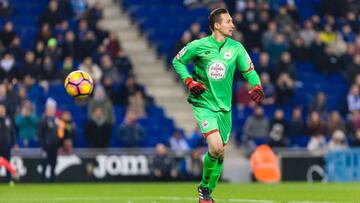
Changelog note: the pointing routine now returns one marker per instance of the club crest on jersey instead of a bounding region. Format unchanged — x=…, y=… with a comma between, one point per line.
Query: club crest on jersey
x=227, y=54
x=205, y=124
x=181, y=53
x=217, y=70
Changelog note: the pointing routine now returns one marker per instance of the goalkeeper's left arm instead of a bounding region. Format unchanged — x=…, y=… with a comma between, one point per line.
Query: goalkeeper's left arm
x=247, y=70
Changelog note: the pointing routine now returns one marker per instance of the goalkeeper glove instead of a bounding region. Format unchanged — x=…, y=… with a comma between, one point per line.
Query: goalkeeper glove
x=196, y=88
x=257, y=94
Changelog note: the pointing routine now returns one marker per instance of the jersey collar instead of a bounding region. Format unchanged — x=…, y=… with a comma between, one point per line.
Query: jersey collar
x=218, y=44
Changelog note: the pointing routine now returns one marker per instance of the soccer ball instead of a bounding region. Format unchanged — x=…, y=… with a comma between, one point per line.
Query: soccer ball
x=79, y=84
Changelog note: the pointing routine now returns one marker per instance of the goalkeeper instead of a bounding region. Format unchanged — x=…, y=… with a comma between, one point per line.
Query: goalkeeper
x=215, y=58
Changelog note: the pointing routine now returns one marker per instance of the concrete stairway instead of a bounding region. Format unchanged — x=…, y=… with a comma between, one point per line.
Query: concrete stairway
x=150, y=70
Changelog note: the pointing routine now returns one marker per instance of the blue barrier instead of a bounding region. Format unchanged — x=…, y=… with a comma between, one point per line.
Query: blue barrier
x=343, y=166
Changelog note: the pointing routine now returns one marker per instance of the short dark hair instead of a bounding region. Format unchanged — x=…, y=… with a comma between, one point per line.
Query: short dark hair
x=214, y=16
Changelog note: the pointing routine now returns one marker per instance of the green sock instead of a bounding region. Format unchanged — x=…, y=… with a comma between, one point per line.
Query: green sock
x=216, y=174
x=209, y=165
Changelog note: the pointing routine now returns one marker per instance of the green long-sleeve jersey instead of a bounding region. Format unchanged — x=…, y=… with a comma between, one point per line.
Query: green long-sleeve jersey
x=214, y=66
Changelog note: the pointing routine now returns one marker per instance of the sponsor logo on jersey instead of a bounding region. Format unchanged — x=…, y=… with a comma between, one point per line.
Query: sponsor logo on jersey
x=227, y=54
x=205, y=124
x=181, y=53
x=217, y=71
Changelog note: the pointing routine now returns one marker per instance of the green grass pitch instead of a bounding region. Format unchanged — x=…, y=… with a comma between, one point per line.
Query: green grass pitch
x=179, y=192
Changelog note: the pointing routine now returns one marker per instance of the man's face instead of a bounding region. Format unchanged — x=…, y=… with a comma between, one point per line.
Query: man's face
x=226, y=25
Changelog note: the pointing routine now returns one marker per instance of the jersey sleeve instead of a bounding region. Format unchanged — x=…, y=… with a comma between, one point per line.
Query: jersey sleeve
x=246, y=67
x=180, y=61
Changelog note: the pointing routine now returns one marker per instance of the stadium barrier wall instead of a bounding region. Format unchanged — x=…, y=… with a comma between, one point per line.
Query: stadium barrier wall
x=343, y=166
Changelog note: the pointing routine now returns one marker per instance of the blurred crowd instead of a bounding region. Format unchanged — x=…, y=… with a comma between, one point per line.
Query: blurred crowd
x=277, y=37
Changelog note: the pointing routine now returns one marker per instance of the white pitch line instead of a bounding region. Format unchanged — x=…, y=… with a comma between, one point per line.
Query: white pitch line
x=153, y=199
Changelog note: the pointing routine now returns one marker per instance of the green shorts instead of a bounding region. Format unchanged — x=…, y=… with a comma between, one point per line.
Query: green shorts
x=210, y=121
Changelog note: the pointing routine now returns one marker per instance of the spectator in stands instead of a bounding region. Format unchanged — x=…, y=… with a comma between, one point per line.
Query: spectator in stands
x=353, y=99
x=338, y=141
x=319, y=104
x=110, y=72
x=67, y=130
x=329, y=63
x=253, y=37
x=308, y=33
x=51, y=14
x=102, y=34
x=100, y=51
x=67, y=67
x=98, y=129
x=264, y=65
x=335, y=123
x=134, y=96
x=298, y=50
x=268, y=36
x=317, y=144
x=113, y=45
x=315, y=126
x=353, y=70
x=92, y=68
x=48, y=71
x=297, y=125
x=7, y=67
x=285, y=65
x=327, y=35
x=239, y=22
x=39, y=53
x=356, y=140
x=83, y=28
x=29, y=67
x=79, y=8
x=5, y=7
x=95, y=14
x=88, y=45
x=130, y=132
x=256, y=127
x=44, y=34
x=338, y=46
x=26, y=123
x=68, y=47
x=65, y=9
x=163, y=167
x=351, y=19
x=49, y=138
x=195, y=29
x=7, y=34
x=185, y=38
x=276, y=47
x=194, y=164
x=284, y=88
x=15, y=49
x=348, y=34
x=283, y=19
x=123, y=63
x=178, y=143
x=52, y=50
x=354, y=121
x=269, y=89
x=101, y=100
x=278, y=130
x=60, y=31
